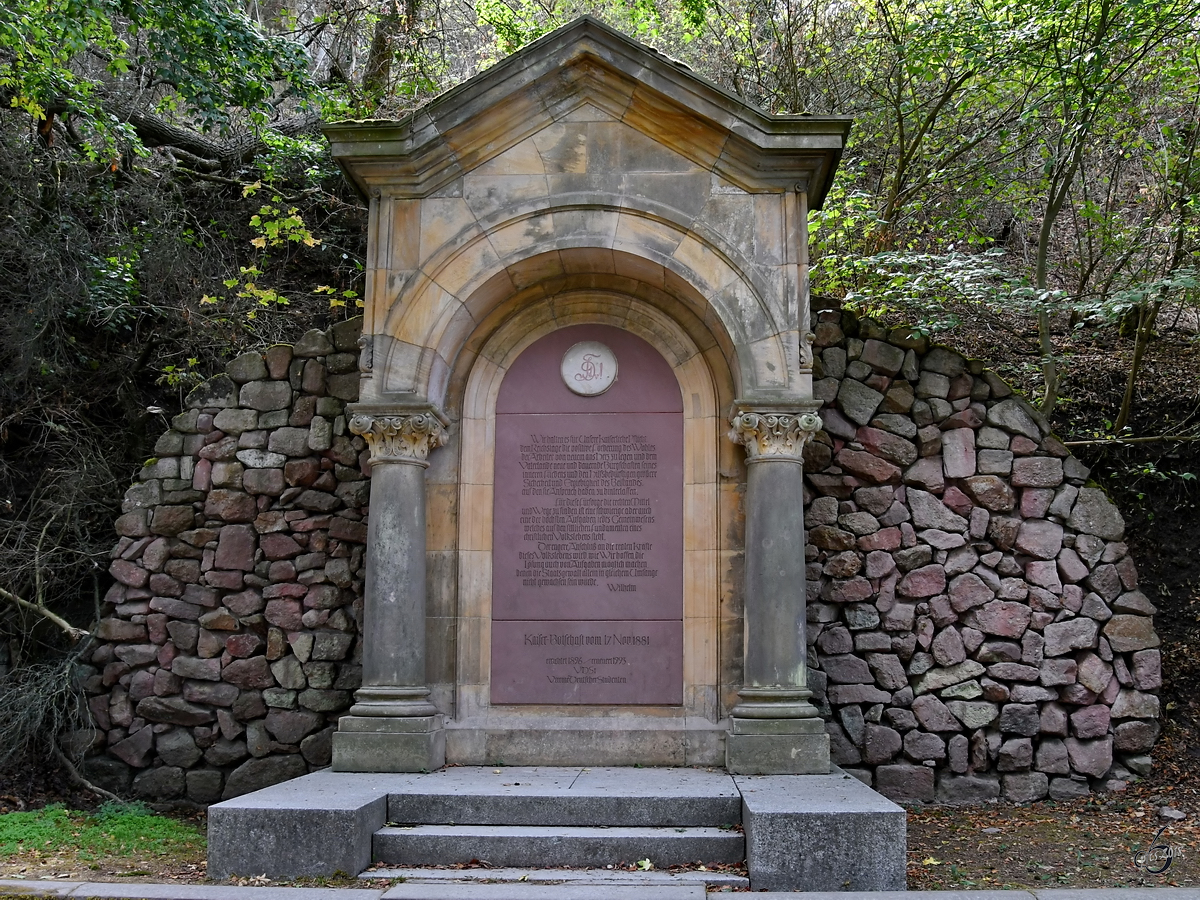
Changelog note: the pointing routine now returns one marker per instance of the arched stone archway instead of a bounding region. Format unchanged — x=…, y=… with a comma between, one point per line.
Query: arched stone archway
x=589, y=180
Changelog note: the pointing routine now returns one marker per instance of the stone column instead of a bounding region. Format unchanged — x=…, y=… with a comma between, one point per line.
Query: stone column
x=392, y=726
x=775, y=730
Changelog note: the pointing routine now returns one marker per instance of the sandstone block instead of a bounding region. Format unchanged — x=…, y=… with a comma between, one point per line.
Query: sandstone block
x=857, y=401
x=921, y=746
x=881, y=357
x=1016, y=755
x=957, y=790
x=249, y=674
x=880, y=744
x=958, y=453
x=867, y=466
x=1094, y=673
x=292, y=726
x=1135, y=705
x=235, y=421
x=888, y=671
x=926, y=473
x=1015, y=417
x=1090, y=757
x=889, y=446
x=1025, y=787
x=1055, y=672
x=1073, y=634
x=235, y=548
x=904, y=783
x=1037, y=472
x=1019, y=718
x=1003, y=617
x=265, y=396
x=933, y=714
x=947, y=648
x=1095, y=514
x=929, y=512
x=968, y=591
x=173, y=711
x=256, y=774
x=1135, y=736
x=1090, y=721
x=1147, y=670
x=172, y=520
x=200, y=669
x=923, y=582
x=937, y=679
x=1133, y=602
x=1040, y=538
x=1128, y=634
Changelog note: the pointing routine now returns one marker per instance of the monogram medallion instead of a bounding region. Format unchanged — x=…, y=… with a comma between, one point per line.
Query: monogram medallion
x=589, y=368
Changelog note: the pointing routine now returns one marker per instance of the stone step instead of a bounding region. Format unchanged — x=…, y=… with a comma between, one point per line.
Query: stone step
x=531, y=876
x=420, y=891
x=569, y=796
x=572, y=846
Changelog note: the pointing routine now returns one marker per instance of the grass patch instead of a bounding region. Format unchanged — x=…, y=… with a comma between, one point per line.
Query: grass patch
x=116, y=829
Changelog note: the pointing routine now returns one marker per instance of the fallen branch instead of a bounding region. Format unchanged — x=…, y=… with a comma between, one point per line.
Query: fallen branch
x=77, y=779
x=1182, y=439
x=71, y=631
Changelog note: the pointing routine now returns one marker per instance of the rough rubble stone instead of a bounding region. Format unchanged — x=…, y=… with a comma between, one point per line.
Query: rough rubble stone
x=1073, y=634
x=1094, y=514
x=1126, y=634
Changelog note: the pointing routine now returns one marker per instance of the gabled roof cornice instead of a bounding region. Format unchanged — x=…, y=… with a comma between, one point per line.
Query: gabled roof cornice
x=588, y=62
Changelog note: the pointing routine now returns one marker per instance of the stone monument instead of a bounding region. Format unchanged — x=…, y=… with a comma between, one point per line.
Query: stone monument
x=586, y=386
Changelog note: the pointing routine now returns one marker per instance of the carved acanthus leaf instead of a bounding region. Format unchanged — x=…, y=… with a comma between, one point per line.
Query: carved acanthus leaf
x=406, y=438
x=774, y=435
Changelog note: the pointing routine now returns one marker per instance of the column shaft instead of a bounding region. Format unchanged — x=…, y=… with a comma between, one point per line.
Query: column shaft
x=775, y=730
x=774, y=590
x=394, y=601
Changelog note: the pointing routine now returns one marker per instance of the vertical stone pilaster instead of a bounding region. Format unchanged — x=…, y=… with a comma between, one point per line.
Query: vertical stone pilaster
x=775, y=729
x=392, y=726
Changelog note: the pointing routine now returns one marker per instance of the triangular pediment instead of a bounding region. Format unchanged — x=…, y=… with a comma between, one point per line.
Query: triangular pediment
x=586, y=71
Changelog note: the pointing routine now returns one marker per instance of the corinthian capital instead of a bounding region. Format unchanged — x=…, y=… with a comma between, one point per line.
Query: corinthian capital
x=773, y=434
x=402, y=437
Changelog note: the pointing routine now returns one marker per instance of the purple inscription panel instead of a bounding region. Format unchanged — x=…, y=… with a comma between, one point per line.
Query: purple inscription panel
x=588, y=517
x=587, y=662
x=588, y=529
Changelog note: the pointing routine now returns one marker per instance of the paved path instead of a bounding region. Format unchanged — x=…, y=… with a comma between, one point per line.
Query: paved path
x=525, y=891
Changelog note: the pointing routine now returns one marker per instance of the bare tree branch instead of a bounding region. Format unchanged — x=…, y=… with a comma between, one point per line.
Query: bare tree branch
x=71, y=631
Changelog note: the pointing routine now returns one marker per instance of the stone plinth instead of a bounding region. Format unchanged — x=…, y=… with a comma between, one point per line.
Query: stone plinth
x=821, y=833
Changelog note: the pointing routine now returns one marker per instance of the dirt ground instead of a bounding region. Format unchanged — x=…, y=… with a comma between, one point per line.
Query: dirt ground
x=1086, y=843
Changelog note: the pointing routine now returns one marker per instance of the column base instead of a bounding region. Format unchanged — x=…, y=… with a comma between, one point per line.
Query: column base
x=378, y=744
x=777, y=747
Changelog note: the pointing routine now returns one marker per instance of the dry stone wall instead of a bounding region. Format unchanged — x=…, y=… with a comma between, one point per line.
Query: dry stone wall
x=229, y=640
x=975, y=624
x=976, y=627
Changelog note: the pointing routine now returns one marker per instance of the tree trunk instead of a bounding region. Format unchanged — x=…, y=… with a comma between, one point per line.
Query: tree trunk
x=1147, y=316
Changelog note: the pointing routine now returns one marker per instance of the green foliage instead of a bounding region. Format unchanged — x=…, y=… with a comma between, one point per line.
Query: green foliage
x=116, y=829
x=926, y=289
x=199, y=58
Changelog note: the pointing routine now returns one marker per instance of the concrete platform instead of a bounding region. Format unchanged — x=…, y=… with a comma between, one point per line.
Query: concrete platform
x=615, y=877
x=11, y=887
x=817, y=832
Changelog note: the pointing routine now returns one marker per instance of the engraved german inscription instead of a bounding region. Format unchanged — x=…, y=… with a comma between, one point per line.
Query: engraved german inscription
x=587, y=551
